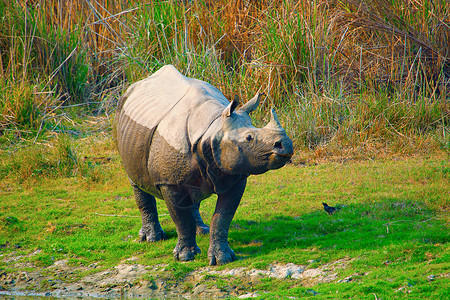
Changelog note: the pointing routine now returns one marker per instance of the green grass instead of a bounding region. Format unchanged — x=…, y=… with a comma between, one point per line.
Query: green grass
x=392, y=226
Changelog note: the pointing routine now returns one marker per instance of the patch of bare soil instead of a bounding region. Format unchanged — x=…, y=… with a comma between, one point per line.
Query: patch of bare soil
x=132, y=280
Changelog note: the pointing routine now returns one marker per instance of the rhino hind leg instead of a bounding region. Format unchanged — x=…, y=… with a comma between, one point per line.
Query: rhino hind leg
x=182, y=214
x=202, y=228
x=151, y=230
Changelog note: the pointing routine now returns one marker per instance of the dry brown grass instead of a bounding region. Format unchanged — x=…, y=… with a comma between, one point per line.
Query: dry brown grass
x=344, y=73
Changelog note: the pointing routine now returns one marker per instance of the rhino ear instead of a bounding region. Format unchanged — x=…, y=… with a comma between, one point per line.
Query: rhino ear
x=252, y=104
x=231, y=107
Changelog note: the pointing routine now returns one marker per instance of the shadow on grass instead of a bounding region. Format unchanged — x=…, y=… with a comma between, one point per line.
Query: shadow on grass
x=353, y=228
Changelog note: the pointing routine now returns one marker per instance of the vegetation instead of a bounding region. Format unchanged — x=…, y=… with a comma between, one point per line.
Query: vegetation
x=391, y=236
x=367, y=81
x=352, y=79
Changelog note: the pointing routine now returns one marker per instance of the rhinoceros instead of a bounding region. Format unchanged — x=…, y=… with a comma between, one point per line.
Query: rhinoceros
x=181, y=140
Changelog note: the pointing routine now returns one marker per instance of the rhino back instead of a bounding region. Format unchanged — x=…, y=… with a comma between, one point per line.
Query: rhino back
x=158, y=120
x=167, y=99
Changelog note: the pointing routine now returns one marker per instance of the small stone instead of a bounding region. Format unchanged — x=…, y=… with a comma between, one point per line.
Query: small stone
x=200, y=288
x=249, y=295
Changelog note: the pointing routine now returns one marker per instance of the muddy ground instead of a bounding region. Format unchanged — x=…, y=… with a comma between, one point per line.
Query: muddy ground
x=132, y=280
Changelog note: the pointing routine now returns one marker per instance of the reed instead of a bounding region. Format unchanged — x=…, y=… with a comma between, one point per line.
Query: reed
x=343, y=72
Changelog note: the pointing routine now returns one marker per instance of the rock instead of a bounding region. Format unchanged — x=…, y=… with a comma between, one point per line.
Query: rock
x=59, y=264
x=249, y=295
x=313, y=273
x=290, y=270
x=200, y=289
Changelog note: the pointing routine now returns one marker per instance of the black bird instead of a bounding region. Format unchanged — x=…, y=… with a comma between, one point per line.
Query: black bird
x=329, y=209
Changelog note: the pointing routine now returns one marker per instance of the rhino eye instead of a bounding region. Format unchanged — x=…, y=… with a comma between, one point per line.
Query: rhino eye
x=249, y=137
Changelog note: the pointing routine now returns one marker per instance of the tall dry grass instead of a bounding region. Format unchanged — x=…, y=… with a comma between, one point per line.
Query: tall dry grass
x=350, y=78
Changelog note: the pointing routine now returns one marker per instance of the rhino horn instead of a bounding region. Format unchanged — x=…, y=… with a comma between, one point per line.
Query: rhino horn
x=231, y=107
x=252, y=104
x=274, y=123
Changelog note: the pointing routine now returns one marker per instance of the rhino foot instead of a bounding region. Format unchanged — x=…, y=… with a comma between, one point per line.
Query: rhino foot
x=220, y=254
x=149, y=234
x=202, y=229
x=185, y=253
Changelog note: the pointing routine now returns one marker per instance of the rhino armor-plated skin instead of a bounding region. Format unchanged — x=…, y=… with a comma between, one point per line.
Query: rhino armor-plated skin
x=181, y=140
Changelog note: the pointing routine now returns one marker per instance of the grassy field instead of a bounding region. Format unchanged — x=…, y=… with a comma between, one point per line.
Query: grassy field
x=362, y=88
x=391, y=230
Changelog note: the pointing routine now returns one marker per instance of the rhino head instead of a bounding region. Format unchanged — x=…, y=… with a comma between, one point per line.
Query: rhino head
x=240, y=148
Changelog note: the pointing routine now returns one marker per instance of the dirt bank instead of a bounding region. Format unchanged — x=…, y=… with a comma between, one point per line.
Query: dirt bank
x=133, y=280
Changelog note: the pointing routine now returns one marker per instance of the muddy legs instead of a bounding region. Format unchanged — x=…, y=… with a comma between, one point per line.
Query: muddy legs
x=202, y=228
x=182, y=213
x=151, y=230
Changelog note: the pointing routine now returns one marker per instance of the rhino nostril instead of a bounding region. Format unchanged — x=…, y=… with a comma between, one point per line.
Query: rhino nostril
x=278, y=145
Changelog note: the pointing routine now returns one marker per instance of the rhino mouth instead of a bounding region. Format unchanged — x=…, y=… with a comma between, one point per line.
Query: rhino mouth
x=282, y=152
x=286, y=155
x=279, y=159
x=278, y=155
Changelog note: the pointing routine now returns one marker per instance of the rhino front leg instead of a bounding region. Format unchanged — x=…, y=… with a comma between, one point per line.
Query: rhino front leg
x=181, y=212
x=202, y=228
x=219, y=252
x=151, y=230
